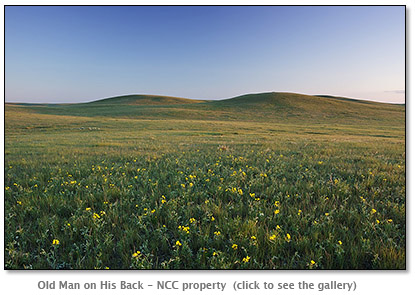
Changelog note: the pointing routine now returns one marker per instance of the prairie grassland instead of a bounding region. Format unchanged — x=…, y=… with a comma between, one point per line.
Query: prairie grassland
x=121, y=192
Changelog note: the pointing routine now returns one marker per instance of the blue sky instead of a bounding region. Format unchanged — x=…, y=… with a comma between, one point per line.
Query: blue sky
x=77, y=54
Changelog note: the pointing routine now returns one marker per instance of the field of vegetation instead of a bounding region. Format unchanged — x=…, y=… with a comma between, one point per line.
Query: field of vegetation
x=267, y=181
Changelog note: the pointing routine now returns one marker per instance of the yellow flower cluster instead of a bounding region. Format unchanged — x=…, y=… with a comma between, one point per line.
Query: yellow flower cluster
x=246, y=259
x=184, y=228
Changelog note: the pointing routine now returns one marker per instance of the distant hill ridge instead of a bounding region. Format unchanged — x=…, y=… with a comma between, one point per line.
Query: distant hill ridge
x=262, y=107
x=274, y=98
x=144, y=99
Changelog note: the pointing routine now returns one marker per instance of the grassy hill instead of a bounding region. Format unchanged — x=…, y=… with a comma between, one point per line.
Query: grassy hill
x=276, y=105
x=263, y=107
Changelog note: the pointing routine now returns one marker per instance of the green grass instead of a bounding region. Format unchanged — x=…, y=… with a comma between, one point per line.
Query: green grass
x=288, y=179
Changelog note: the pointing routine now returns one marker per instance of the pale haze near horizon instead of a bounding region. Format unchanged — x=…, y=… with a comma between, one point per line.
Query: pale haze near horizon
x=78, y=54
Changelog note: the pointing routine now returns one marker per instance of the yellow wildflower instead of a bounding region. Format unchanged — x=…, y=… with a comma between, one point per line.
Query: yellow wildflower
x=178, y=243
x=312, y=262
x=373, y=211
x=234, y=246
x=55, y=242
x=246, y=259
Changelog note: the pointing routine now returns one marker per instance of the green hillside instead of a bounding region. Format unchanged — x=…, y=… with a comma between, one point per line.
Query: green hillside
x=292, y=105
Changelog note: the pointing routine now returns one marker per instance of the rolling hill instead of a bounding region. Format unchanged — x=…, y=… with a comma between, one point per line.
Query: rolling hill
x=268, y=107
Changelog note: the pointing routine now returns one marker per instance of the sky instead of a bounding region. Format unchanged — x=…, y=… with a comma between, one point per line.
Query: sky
x=56, y=54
